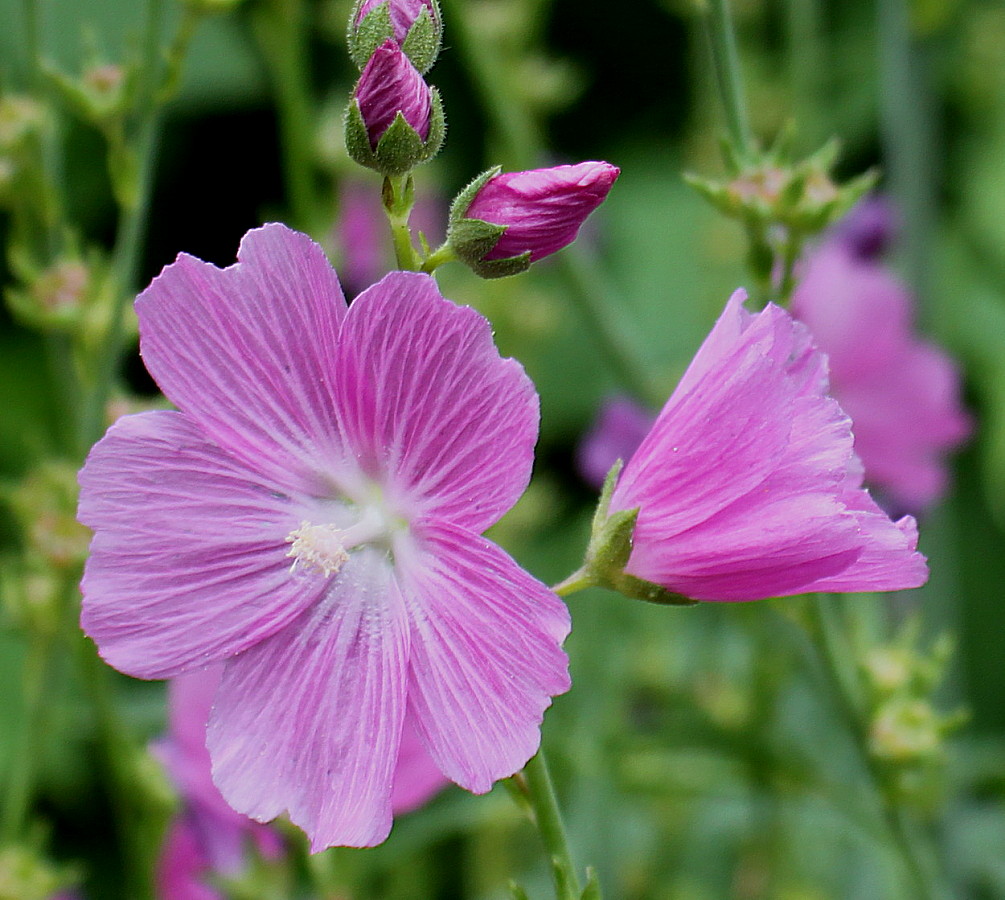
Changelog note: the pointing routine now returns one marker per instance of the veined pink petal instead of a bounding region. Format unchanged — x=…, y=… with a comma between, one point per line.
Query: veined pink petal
x=748, y=486
x=247, y=351
x=309, y=720
x=430, y=410
x=188, y=563
x=485, y=653
x=416, y=777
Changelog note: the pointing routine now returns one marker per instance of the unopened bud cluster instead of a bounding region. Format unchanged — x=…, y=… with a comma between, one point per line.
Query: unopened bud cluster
x=500, y=223
x=395, y=119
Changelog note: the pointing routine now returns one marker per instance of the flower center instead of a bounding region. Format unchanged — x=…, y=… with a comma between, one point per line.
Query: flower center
x=320, y=546
x=325, y=546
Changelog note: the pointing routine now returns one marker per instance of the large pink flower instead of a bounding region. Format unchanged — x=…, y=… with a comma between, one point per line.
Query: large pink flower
x=902, y=393
x=747, y=485
x=311, y=515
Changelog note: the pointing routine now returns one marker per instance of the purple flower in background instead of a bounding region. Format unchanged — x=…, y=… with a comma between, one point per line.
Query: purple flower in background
x=902, y=393
x=403, y=14
x=541, y=210
x=747, y=485
x=311, y=516
x=869, y=229
x=208, y=837
x=388, y=85
x=615, y=434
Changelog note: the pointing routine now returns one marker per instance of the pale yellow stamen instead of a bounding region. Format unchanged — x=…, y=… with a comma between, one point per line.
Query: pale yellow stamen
x=321, y=546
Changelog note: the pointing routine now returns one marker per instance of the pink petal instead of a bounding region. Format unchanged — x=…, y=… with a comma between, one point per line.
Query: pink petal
x=248, y=351
x=486, y=655
x=309, y=720
x=416, y=777
x=433, y=413
x=189, y=563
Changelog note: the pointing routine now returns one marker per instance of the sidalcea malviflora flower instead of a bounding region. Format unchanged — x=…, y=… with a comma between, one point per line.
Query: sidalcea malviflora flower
x=747, y=484
x=311, y=515
x=901, y=391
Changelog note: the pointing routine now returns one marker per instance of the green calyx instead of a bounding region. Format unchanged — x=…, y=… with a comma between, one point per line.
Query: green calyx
x=611, y=542
x=400, y=148
x=471, y=239
x=421, y=44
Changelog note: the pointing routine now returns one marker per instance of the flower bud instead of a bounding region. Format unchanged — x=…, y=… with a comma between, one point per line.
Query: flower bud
x=414, y=25
x=502, y=222
x=395, y=120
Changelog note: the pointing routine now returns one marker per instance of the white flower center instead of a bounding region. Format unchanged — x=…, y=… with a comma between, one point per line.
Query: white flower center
x=320, y=546
x=325, y=546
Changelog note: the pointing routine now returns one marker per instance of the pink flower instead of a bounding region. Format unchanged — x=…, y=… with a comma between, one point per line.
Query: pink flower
x=902, y=393
x=747, y=484
x=389, y=85
x=311, y=516
x=541, y=210
x=616, y=433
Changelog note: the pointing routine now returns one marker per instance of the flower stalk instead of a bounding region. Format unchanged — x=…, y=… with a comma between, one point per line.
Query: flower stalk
x=540, y=792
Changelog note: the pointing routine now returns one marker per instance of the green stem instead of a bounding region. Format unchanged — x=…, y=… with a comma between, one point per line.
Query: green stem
x=17, y=798
x=437, y=258
x=577, y=581
x=719, y=27
x=398, y=195
x=910, y=146
x=548, y=818
x=838, y=657
x=281, y=31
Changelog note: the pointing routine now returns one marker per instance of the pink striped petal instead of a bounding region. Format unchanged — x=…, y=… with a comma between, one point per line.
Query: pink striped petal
x=248, y=351
x=431, y=411
x=486, y=655
x=189, y=563
x=309, y=720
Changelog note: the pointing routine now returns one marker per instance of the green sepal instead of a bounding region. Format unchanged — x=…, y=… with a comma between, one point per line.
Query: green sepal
x=422, y=43
x=611, y=546
x=640, y=589
x=400, y=149
x=372, y=31
x=715, y=192
x=459, y=207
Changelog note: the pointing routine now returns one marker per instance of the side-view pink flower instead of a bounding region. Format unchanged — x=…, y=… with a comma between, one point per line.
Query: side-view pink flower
x=747, y=485
x=902, y=392
x=311, y=516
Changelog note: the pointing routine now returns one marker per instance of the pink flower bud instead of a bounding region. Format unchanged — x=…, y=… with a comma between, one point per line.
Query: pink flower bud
x=543, y=209
x=404, y=14
x=388, y=85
